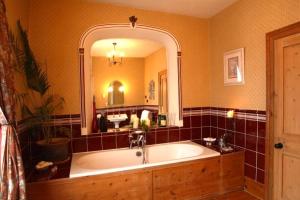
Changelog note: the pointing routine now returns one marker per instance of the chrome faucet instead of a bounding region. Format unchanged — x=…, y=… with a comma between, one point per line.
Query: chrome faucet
x=140, y=142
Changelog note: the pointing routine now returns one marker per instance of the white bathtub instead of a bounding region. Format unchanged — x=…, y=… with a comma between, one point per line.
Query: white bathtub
x=102, y=162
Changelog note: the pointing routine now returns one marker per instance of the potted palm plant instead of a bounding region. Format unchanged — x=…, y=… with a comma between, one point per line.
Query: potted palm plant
x=38, y=105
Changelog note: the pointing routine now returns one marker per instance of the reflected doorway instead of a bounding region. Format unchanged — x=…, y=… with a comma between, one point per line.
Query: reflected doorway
x=163, y=91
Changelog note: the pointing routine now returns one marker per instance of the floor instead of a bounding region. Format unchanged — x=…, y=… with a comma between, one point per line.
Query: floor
x=240, y=195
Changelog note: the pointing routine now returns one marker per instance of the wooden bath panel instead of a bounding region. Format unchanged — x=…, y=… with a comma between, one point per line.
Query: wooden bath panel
x=181, y=181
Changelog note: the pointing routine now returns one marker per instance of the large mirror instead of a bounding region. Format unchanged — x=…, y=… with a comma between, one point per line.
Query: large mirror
x=126, y=72
x=138, y=69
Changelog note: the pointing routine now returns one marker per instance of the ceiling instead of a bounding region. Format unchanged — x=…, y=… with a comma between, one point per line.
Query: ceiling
x=136, y=48
x=196, y=8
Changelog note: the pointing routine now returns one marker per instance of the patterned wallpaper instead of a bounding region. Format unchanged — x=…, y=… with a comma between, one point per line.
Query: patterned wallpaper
x=56, y=27
x=244, y=24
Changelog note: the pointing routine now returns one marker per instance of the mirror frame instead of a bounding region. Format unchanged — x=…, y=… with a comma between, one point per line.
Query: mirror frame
x=100, y=32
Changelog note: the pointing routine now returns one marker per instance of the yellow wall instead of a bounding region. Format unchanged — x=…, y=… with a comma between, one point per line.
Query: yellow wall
x=245, y=24
x=130, y=73
x=17, y=10
x=56, y=27
x=154, y=63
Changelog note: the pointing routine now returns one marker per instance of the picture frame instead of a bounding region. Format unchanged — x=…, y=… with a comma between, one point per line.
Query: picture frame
x=234, y=67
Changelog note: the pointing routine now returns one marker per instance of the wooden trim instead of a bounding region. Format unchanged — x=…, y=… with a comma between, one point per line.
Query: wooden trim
x=196, y=179
x=270, y=39
x=82, y=88
x=254, y=188
x=179, y=85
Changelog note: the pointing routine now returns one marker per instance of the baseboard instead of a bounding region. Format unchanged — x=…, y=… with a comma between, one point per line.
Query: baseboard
x=254, y=188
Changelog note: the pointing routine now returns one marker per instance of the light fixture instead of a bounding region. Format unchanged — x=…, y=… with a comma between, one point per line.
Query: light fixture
x=133, y=20
x=115, y=57
x=230, y=114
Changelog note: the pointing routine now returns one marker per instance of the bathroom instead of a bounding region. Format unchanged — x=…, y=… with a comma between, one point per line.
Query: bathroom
x=173, y=65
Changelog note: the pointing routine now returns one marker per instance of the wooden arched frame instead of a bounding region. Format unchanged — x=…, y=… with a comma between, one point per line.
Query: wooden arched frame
x=100, y=32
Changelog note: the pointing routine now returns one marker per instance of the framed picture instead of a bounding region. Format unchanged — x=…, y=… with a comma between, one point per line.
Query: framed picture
x=234, y=67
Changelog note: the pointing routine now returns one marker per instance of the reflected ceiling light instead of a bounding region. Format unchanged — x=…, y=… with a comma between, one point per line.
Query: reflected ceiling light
x=121, y=88
x=115, y=57
x=110, y=89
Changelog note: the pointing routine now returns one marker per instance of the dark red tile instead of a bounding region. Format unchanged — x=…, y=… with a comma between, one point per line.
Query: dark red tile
x=221, y=122
x=196, y=121
x=185, y=134
x=150, y=137
x=251, y=127
x=79, y=145
x=94, y=143
x=197, y=108
x=240, y=139
x=260, y=176
x=260, y=161
x=173, y=135
x=250, y=157
x=76, y=131
x=230, y=137
x=230, y=123
x=196, y=133
x=251, y=142
x=205, y=120
x=161, y=137
x=122, y=141
x=261, y=145
x=214, y=121
x=261, y=112
x=187, y=122
x=109, y=142
x=250, y=172
x=240, y=125
x=205, y=132
x=261, y=129
x=221, y=132
x=214, y=132
x=186, y=109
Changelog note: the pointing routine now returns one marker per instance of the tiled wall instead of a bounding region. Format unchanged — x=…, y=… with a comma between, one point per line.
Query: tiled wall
x=246, y=131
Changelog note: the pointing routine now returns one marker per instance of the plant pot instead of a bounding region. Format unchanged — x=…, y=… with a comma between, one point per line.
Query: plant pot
x=56, y=150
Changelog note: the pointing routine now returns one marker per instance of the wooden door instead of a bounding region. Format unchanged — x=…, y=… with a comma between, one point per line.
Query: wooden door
x=286, y=163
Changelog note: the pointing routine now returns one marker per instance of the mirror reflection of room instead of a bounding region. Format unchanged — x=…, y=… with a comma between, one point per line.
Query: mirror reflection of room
x=129, y=76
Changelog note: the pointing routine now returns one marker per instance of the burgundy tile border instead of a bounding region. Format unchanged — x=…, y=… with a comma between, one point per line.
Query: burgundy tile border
x=247, y=131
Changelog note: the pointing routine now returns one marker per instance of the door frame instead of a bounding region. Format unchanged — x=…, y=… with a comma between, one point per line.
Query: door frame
x=165, y=71
x=270, y=41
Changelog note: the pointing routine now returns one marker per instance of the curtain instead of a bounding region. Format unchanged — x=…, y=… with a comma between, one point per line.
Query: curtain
x=12, y=173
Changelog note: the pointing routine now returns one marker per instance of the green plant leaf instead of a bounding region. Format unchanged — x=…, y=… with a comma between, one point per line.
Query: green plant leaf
x=36, y=77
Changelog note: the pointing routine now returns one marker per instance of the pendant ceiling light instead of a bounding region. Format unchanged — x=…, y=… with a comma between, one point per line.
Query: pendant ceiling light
x=115, y=57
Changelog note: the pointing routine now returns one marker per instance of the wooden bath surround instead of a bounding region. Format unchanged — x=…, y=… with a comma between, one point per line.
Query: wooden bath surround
x=191, y=180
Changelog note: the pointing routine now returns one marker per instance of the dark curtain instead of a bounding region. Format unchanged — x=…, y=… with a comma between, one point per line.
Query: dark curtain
x=12, y=173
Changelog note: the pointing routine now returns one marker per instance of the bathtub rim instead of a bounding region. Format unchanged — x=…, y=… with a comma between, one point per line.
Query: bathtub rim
x=143, y=166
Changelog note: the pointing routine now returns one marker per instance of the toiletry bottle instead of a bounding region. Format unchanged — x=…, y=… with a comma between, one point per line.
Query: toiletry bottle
x=103, y=123
x=162, y=120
